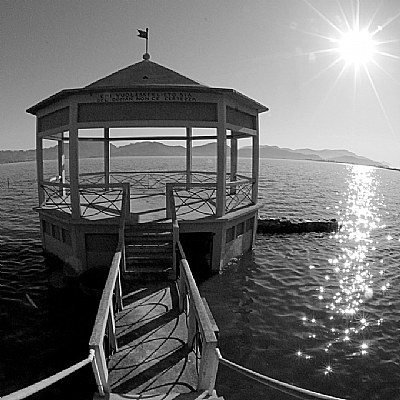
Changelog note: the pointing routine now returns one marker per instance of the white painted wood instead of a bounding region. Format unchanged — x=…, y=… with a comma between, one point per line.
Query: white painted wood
x=221, y=160
x=39, y=169
x=189, y=155
x=208, y=367
x=255, y=164
x=61, y=165
x=74, y=163
x=107, y=158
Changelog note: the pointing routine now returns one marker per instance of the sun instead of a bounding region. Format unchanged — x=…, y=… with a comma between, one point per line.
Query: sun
x=356, y=47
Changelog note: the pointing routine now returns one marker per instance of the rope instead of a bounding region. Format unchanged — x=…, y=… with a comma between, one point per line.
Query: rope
x=36, y=387
x=268, y=380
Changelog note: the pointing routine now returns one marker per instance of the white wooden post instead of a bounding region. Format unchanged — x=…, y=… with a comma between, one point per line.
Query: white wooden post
x=101, y=365
x=208, y=367
x=107, y=158
x=234, y=162
x=182, y=288
x=74, y=162
x=255, y=163
x=221, y=159
x=96, y=374
x=189, y=156
x=111, y=329
x=39, y=166
x=118, y=288
x=61, y=165
x=191, y=323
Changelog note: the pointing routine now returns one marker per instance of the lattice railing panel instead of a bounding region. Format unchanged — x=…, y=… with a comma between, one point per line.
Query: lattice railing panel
x=148, y=181
x=238, y=196
x=97, y=201
x=56, y=198
x=200, y=200
x=91, y=179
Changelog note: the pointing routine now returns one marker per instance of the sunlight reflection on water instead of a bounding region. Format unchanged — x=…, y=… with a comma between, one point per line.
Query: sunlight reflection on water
x=361, y=215
x=357, y=274
x=319, y=310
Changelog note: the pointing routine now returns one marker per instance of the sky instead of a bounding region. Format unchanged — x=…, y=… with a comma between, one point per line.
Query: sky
x=294, y=56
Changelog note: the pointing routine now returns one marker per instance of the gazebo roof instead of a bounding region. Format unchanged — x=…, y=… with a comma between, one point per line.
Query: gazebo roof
x=146, y=73
x=141, y=75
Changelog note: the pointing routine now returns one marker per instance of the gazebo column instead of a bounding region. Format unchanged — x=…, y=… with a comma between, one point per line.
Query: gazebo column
x=39, y=168
x=221, y=160
x=107, y=158
x=189, y=155
x=234, y=162
x=61, y=164
x=255, y=164
x=74, y=163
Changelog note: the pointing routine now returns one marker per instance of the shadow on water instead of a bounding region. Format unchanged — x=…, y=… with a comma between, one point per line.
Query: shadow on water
x=45, y=323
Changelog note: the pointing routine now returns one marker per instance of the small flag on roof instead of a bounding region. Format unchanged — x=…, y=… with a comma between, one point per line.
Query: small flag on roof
x=143, y=34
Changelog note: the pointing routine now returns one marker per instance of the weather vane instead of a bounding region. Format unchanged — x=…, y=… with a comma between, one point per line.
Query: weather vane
x=145, y=35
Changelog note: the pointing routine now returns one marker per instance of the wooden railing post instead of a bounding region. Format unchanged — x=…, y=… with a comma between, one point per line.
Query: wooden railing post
x=181, y=288
x=208, y=367
x=168, y=200
x=118, y=291
x=192, y=323
x=97, y=377
x=112, y=338
x=101, y=371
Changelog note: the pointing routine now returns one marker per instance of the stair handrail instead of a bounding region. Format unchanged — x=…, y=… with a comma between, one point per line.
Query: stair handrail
x=105, y=317
x=199, y=325
x=268, y=381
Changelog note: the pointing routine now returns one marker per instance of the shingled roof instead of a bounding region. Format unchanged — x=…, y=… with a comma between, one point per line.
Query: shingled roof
x=145, y=72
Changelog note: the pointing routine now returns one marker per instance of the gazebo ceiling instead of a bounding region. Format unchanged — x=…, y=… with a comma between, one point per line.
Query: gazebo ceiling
x=145, y=72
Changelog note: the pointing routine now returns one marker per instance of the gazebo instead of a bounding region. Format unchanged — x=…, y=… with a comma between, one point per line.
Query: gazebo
x=80, y=210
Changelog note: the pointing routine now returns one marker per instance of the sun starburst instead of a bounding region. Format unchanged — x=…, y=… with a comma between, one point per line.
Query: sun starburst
x=355, y=45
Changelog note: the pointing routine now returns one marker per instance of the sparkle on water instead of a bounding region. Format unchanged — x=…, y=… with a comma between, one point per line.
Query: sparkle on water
x=349, y=285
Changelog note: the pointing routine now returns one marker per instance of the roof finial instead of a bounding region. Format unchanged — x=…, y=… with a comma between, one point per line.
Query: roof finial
x=145, y=35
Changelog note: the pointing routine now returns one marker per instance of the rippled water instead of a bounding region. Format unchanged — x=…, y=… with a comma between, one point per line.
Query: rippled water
x=320, y=311
x=317, y=310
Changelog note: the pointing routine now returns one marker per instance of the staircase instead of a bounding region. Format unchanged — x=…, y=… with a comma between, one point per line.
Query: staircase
x=149, y=251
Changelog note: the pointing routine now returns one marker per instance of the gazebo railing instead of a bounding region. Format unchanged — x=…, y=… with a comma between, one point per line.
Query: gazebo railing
x=201, y=198
x=147, y=180
x=196, y=197
x=95, y=200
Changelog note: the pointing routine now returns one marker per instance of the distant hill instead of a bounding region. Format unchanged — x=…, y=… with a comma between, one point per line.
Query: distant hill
x=277, y=152
x=339, y=156
x=147, y=149
x=155, y=149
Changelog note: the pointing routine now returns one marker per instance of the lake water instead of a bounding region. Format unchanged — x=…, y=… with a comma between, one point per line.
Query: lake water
x=320, y=311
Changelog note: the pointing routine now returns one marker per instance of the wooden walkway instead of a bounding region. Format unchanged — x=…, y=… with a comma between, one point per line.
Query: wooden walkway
x=153, y=360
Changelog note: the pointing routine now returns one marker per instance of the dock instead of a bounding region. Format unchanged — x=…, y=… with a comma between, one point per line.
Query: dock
x=153, y=359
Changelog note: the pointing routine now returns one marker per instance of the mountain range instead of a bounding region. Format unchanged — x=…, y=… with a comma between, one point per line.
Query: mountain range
x=157, y=149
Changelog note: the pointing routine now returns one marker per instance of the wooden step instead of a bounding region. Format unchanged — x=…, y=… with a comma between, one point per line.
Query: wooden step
x=146, y=275
x=165, y=248
x=148, y=227
x=148, y=263
x=140, y=236
x=149, y=250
